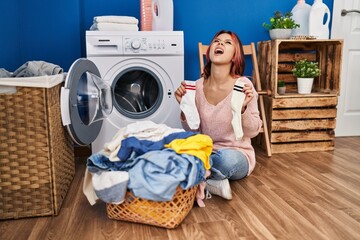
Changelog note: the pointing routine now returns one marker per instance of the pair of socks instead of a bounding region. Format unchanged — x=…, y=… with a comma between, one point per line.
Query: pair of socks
x=188, y=107
x=237, y=101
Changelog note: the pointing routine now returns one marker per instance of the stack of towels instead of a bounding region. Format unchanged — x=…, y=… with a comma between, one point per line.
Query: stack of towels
x=115, y=23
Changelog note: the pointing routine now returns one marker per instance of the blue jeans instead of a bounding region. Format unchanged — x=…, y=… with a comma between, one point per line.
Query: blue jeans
x=228, y=163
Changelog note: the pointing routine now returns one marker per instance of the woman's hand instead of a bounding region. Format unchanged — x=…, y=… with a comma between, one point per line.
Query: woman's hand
x=249, y=94
x=180, y=92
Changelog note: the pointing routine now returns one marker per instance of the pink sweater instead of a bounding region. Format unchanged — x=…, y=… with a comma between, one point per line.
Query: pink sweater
x=215, y=121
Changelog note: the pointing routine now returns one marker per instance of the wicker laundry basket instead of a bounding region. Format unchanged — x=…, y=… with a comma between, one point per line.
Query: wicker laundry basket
x=162, y=214
x=36, y=153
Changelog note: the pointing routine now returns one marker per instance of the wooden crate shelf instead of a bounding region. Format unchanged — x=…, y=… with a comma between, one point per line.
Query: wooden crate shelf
x=277, y=59
x=301, y=122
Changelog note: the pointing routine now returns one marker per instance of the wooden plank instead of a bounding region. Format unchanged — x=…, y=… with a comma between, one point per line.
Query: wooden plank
x=291, y=88
x=264, y=63
x=307, y=44
x=268, y=110
x=303, y=124
x=295, y=94
x=285, y=68
x=274, y=75
x=304, y=102
x=323, y=62
x=337, y=68
x=312, y=41
x=302, y=147
x=311, y=113
x=287, y=77
x=329, y=69
x=294, y=57
x=282, y=137
x=297, y=46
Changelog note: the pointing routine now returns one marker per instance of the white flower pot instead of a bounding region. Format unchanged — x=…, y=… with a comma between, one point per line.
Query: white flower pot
x=280, y=33
x=304, y=85
x=281, y=90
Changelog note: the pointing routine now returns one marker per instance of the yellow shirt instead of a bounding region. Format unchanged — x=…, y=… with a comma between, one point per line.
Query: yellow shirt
x=199, y=145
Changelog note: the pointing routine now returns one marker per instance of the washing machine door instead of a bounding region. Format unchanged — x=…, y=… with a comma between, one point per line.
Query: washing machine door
x=85, y=101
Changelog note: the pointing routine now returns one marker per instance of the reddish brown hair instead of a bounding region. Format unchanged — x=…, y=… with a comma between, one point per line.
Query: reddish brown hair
x=238, y=62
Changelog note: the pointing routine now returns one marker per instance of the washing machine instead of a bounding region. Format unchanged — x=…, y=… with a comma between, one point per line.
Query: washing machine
x=126, y=77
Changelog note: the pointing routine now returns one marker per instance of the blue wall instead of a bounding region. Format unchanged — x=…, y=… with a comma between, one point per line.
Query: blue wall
x=54, y=31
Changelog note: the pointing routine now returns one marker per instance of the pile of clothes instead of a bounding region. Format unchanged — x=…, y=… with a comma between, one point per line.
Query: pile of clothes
x=32, y=69
x=37, y=74
x=115, y=23
x=151, y=160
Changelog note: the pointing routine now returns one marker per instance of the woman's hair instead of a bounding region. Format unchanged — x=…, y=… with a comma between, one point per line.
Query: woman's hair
x=238, y=62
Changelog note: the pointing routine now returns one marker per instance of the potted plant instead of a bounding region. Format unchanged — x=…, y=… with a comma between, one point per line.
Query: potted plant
x=280, y=25
x=305, y=71
x=281, y=87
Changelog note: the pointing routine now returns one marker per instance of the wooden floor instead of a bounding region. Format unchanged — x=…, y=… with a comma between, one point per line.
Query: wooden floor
x=313, y=195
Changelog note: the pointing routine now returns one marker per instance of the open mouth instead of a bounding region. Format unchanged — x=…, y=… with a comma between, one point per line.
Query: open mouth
x=219, y=51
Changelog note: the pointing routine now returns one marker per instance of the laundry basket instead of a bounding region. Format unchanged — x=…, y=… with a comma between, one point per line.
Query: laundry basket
x=162, y=214
x=36, y=153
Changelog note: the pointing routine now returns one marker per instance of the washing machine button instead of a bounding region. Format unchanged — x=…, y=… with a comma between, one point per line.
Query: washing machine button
x=136, y=44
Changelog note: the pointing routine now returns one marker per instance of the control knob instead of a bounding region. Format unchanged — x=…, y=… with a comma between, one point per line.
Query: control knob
x=136, y=44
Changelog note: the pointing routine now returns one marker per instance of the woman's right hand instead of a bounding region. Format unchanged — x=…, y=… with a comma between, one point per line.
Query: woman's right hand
x=180, y=92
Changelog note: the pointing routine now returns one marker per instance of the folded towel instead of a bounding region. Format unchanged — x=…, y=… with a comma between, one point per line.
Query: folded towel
x=104, y=26
x=115, y=19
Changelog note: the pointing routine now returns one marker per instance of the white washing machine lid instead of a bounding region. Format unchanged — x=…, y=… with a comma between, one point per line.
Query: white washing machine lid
x=82, y=133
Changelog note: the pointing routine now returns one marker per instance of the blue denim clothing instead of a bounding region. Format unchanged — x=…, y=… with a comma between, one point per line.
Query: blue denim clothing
x=228, y=163
x=157, y=174
x=99, y=162
x=135, y=147
x=198, y=176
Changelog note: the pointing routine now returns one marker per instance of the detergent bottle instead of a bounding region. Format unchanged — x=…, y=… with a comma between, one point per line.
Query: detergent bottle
x=145, y=15
x=301, y=13
x=318, y=13
x=162, y=15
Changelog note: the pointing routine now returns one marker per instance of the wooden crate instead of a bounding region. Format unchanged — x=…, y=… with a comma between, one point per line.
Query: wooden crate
x=301, y=122
x=277, y=59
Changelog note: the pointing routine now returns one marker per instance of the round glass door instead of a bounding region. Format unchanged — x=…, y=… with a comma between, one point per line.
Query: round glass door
x=93, y=98
x=137, y=92
x=86, y=100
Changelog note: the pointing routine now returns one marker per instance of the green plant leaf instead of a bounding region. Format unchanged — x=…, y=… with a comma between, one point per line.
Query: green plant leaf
x=281, y=21
x=306, y=69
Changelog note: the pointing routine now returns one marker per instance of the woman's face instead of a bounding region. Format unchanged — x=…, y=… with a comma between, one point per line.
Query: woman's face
x=222, y=49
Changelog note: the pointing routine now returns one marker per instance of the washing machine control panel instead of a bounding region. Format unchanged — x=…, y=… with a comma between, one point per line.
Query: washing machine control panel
x=154, y=45
x=119, y=43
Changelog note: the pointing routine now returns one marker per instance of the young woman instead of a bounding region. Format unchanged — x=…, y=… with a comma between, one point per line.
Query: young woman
x=217, y=105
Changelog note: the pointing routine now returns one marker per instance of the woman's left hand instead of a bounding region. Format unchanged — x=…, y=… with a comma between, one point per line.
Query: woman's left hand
x=249, y=94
